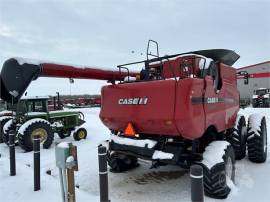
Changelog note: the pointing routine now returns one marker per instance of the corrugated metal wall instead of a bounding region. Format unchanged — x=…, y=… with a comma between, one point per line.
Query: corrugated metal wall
x=262, y=81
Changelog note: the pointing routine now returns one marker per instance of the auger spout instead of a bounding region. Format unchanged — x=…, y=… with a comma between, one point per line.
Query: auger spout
x=18, y=73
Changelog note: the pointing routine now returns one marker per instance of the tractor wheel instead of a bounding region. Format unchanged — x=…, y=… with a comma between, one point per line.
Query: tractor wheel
x=80, y=134
x=121, y=162
x=6, y=128
x=254, y=103
x=238, y=136
x=37, y=129
x=63, y=134
x=2, y=123
x=218, y=168
x=257, y=138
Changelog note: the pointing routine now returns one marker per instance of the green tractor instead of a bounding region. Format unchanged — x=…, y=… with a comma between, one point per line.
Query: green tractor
x=33, y=120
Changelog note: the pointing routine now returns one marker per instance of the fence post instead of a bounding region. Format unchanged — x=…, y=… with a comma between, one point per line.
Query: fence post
x=12, y=158
x=36, y=148
x=103, y=174
x=196, y=175
x=71, y=167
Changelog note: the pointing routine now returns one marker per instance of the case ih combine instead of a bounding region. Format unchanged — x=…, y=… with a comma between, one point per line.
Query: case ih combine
x=179, y=109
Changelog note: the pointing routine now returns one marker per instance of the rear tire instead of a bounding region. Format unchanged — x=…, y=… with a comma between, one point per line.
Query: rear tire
x=238, y=137
x=26, y=141
x=2, y=123
x=120, y=162
x=7, y=127
x=257, y=138
x=217, y=177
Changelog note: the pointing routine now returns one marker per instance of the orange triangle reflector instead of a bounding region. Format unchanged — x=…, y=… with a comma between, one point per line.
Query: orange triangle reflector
x=129, y=131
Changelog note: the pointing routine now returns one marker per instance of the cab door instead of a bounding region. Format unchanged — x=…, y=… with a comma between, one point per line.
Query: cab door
x=214, y=95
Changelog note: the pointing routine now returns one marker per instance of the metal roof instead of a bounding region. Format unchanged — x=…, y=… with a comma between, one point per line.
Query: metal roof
x=250, y=66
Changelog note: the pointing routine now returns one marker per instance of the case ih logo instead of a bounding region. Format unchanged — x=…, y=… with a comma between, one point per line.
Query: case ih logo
x=211, y=100
x=133, y=101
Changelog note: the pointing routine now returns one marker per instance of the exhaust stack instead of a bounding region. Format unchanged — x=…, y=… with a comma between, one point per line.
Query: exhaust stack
x=18, y=73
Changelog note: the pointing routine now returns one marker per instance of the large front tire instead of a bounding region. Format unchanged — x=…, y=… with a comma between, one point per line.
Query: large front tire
x=218, y=168
x=39, y=129
x=257, y=138
x=119, y=162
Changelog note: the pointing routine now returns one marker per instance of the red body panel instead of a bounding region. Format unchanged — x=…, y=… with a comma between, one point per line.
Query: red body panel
x=151, y=118
x=181, y=67
x=189, y=117
x=176, y=108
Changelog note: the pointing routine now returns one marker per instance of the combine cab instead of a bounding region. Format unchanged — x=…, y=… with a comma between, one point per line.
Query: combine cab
x=261, y=98
x=180, y=109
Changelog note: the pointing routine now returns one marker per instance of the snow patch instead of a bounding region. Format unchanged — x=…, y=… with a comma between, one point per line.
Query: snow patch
x=254, y=122
x=57, y=125
x=162, y=155
x=132, y=142
x=63, y=145
x=5, y=117
x=70, y=105
x=70, y=159
x=252, y=180
x=129, y=78
x=22, y=61
x=237, y=120
x=34, y=97
x=231, y=185
x=214, y=152
x=28, y=123
x=66, y=110
x=35, y=113
x=7, y=125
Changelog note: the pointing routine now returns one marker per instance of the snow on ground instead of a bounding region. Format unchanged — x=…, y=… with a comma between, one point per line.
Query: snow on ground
x=168, y=183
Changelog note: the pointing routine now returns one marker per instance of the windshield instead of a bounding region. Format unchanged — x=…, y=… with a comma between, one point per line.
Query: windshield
x=262, y=91
x=21, y=107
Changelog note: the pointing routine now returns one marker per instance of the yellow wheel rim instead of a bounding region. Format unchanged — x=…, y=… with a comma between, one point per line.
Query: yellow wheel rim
x=39, y=133
x=81, y=134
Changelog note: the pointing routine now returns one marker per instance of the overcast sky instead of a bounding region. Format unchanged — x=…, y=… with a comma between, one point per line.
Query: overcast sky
x=105, y=33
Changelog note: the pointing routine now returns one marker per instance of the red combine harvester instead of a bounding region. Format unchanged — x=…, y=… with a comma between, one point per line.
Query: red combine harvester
x=179, y=109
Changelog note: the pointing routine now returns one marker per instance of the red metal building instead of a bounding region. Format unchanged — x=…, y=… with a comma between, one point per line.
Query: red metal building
x=259, y=78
